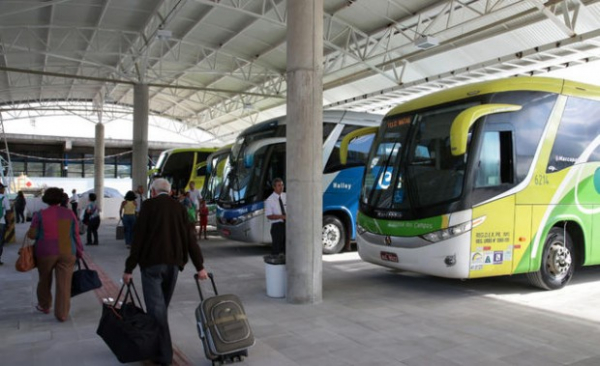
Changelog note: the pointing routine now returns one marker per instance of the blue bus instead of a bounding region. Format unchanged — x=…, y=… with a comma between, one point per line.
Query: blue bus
x=258, y=156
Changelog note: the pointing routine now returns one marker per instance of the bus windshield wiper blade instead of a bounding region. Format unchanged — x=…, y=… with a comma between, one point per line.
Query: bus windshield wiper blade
x=383, y=170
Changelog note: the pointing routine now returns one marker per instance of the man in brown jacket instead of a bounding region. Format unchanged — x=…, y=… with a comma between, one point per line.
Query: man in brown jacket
x=162, y=241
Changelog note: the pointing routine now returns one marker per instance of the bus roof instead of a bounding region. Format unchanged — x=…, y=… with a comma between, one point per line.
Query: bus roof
x=551, y=85
x=188, y=149
x=334, y=115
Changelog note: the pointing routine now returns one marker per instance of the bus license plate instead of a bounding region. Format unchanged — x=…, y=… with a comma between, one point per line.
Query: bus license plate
x=389, y=257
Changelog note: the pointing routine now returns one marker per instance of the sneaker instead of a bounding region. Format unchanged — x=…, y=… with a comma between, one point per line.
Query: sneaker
x=1, y=263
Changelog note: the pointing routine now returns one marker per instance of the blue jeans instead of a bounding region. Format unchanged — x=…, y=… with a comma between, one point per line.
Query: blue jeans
x=158, y=284
x=128, y=222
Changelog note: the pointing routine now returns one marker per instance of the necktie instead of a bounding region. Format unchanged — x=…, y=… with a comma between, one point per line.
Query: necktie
x=281, y=206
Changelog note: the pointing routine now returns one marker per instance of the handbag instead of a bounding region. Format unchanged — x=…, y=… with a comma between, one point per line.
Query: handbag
x=26, y=260
x=120, y=230
x=86, y=217
x=84, y=279
x=130, y=333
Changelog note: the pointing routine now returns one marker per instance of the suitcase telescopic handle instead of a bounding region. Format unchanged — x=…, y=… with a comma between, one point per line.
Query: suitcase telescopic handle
x=212, y=280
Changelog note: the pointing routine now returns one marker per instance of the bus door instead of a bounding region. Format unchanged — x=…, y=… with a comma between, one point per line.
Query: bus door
x=266, y=159
x=492, y=174
x=492, y=239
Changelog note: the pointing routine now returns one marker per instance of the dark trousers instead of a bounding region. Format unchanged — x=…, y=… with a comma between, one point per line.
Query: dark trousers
x=93, y=226
x=74, y=207
x=20, y=214
x=278, y=238
x=158, y=284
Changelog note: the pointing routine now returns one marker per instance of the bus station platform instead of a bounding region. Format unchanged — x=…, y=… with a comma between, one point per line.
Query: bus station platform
x=369, y=315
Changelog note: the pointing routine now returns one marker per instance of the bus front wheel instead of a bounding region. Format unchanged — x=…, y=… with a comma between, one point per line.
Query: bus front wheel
x=333, y=235
x=558, y=262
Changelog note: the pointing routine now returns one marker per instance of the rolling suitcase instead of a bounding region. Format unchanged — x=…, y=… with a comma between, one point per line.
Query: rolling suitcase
x=222, y=326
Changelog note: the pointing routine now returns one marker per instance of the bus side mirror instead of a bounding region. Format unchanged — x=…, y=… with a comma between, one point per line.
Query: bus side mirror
x=459, y=131
x=351, y=136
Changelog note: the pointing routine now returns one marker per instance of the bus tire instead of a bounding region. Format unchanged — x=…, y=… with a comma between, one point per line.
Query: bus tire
x=558, y=264
x=333, y=235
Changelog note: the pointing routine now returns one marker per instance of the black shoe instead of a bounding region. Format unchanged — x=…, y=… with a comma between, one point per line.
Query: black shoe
x=88, y=244
x=1, y=263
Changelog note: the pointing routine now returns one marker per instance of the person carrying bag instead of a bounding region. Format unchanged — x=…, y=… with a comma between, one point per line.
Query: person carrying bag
x=130, y=333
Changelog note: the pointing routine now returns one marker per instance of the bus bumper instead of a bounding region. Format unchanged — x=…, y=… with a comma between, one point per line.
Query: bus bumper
x=448, y=258
x=250, y=231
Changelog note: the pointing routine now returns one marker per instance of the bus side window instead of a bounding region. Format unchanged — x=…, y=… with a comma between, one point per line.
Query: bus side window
x=579, y=127
x=495, y=160
x=358, y=152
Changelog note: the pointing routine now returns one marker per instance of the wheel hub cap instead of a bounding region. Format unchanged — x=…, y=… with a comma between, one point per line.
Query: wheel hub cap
x=559, y=260
x=330, y=235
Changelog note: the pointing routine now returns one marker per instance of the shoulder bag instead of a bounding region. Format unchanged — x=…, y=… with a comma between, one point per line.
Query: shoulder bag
x=26, y=260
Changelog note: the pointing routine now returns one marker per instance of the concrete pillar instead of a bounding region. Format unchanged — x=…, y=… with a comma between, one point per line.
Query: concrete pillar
x=99, y=165
x=304, y=151
x=139, y=160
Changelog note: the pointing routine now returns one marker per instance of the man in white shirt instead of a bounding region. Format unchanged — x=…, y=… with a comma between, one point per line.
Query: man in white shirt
x=4, y=209
x=196, y=197
x=74, y=200
x=276, y=213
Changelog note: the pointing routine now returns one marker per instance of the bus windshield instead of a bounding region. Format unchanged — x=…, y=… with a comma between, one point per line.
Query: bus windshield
x=411, y=164
x=214, y=179
x=180, y=166
x=176, y=168
x=242, y=184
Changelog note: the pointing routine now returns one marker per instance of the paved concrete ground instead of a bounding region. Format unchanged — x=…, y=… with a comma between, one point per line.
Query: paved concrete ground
x=369, y=316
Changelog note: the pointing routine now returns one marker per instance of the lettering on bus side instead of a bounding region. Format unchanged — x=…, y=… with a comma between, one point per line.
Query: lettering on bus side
x=342, y=185
x=541, y=180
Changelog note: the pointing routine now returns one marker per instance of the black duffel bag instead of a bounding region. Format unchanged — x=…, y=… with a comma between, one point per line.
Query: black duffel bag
x=130, y=333
x=84, y=279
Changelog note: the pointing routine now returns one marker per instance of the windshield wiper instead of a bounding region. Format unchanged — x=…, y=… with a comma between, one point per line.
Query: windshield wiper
x=383, y=170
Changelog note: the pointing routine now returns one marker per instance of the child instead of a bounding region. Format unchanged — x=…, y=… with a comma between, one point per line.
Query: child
x=203, y=218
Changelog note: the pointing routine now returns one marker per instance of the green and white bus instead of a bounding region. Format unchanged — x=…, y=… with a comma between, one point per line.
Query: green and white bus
x=216, y=171
x=489, y=179
x=181, y=166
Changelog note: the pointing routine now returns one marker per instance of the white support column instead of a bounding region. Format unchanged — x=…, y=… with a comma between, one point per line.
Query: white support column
x=99, y=165
x=304, y=151
x=139, y=160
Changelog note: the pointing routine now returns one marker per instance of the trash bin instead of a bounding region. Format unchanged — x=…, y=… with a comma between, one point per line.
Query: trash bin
x=276, y=275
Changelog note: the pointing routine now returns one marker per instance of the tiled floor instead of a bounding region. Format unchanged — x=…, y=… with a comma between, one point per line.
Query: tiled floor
x=369, y=315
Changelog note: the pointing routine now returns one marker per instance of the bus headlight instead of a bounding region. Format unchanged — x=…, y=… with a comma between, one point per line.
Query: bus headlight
x=360, y=230
x=448, y=233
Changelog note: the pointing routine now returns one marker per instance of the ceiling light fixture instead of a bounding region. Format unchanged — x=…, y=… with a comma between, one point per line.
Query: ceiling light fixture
x=424, y=42
x=164, y=34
